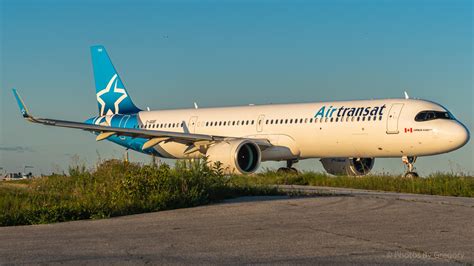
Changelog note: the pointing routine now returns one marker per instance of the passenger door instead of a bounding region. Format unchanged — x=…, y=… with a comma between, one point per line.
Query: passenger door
x=393, y=116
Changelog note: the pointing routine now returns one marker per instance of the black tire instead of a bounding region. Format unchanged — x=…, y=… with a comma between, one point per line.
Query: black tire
x=285, y=170
x=411, y=175
x=282, y=170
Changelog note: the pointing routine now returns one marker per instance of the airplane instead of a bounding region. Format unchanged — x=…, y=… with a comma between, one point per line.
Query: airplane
x=346, y=136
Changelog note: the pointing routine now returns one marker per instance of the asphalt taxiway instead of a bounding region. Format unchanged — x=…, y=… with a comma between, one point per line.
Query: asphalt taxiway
x=340, y=226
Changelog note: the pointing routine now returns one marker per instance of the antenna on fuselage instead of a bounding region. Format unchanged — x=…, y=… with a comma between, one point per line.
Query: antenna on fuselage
x=406, y=95
x=196, y=105
x=148, y=109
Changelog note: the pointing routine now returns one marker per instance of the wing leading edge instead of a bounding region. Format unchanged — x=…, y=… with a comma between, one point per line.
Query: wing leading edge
x=154, y=136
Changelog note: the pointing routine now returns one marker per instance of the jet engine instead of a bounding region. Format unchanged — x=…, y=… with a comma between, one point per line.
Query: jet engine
x=236, y=156
x=348, y=166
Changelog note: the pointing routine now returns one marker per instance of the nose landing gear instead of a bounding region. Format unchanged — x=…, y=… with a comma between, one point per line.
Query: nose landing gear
x=410, y=161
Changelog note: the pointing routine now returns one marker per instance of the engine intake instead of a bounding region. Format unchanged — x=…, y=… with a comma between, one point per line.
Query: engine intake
x=236, y=156
x=348, y=166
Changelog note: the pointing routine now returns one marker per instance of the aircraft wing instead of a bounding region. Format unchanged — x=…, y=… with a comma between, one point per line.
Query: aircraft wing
x=154, y=136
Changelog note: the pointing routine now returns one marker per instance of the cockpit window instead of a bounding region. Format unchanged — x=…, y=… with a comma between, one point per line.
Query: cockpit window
x=431, y=115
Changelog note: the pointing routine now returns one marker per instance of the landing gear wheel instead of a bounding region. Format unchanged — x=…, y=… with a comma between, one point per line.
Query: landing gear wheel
x=411, y=175
x=286, y=170
x=289, y=169
x=410, y=161
x=282, y=170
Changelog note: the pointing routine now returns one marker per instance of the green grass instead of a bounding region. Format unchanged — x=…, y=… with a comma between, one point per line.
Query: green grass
x=117, y=188
x=435, y=184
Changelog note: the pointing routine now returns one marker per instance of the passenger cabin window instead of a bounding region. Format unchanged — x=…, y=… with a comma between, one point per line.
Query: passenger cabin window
x=431, y=115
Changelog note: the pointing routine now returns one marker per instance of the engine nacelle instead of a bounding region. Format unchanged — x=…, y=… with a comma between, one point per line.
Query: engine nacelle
x=348, y=166
x=236, y=156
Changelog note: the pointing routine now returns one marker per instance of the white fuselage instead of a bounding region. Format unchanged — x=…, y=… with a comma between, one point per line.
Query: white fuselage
x=369, y=128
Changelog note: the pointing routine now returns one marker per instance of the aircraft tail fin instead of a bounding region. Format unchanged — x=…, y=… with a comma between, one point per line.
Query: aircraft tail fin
x=112, y=97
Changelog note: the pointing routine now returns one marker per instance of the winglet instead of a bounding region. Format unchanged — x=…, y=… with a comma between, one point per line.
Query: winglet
x=21, y=105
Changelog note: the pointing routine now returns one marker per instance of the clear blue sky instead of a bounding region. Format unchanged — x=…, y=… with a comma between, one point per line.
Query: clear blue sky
x=218, y=53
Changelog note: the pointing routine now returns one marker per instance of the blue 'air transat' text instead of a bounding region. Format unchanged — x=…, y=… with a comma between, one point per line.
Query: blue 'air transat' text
x=350, y=111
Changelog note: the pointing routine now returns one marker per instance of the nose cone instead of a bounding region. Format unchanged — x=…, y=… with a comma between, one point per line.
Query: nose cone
x=459, y=135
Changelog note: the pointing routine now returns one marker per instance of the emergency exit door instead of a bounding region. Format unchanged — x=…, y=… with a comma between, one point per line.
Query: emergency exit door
x=192, y=124
x=260, y=120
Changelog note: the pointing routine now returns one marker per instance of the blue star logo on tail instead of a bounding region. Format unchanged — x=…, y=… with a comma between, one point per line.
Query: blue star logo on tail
x=110, y=98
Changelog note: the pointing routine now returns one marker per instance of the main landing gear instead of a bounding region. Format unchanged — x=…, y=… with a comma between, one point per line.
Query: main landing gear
x=410, y=161
x=289, y=169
